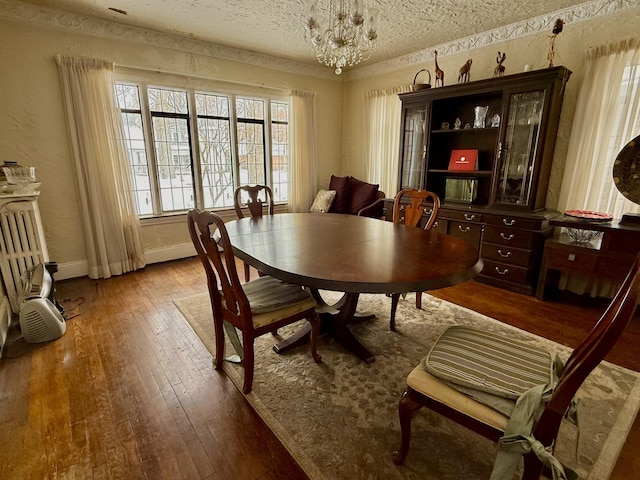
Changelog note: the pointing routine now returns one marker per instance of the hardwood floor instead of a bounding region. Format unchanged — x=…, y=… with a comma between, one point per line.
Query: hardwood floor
x=130, y=392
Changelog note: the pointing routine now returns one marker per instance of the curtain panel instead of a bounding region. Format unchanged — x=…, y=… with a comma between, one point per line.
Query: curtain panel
x=382, y=118
x=607, y=117
x=111, y=225
x=303, y=156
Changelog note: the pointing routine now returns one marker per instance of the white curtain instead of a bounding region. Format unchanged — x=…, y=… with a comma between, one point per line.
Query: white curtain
x=382, y=119
x=303, y=150
x=607, y=117
x=111, y=225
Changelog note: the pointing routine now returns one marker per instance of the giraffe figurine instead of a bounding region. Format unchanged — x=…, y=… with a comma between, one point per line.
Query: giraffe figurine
x=439, y=71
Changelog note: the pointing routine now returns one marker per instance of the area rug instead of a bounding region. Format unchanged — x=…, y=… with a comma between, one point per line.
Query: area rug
x=339, y=418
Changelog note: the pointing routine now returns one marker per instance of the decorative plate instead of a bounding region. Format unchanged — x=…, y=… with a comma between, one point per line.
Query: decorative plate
x=589, y=215
x=626, y=171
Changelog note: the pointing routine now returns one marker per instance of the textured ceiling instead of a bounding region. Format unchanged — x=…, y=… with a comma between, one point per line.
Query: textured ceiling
x=275, y=27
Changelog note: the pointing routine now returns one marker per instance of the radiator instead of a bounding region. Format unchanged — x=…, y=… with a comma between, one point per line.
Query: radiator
x=23, y=244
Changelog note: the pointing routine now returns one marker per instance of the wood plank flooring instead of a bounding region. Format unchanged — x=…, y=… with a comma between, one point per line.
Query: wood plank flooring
x=129, y=391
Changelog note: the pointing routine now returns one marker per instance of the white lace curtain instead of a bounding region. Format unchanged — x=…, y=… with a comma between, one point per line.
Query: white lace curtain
x=382, y=113
x=111, y=225
x=607, y=117
x=303, y=150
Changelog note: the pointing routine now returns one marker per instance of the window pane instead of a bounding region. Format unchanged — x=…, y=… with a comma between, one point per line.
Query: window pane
x=251, y=153
x=249, y=108
x=167, y=101
x=127, y=98
x=280, y=151
x=215, y=162
x=173, y=157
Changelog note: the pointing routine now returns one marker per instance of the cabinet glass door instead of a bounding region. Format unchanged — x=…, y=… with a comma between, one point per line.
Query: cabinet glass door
x=520, y=148
x=413, y=147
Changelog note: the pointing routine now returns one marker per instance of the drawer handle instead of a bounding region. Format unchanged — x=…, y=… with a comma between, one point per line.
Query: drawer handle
x=435, y=224
x=501, y=272
x=509, y=222
x=507, y=237
x=504, y=254
x=464, y=229
x=469, y=216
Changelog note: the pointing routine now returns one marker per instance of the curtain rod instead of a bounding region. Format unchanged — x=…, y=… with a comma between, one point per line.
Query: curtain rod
x=159, y=70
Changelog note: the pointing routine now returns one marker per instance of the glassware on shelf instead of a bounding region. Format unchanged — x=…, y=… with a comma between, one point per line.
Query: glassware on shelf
x=480, y=113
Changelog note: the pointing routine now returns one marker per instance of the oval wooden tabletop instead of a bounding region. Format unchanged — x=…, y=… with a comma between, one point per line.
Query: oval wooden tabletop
x=348, y=253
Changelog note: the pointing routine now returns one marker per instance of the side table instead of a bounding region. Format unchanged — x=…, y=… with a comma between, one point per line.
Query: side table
x=608, y=257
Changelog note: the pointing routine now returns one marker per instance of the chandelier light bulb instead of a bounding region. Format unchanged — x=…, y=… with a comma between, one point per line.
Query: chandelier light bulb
x=349, y=36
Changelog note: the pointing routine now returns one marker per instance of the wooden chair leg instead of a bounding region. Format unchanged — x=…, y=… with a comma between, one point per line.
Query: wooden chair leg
x=247, y=274
x=419, y=300
x=406, y=408
x=313, y=340
x=247, y=363
x=394, y=306
x=219, y=334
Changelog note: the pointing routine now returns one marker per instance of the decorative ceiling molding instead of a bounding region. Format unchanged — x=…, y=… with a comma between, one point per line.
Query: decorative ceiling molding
x=101, y=28
x=543, y=23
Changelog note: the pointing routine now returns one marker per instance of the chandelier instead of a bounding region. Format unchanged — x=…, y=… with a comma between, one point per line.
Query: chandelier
x=349, y=37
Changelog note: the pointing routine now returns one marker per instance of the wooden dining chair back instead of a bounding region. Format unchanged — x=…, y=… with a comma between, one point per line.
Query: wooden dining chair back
x=254, y=308
x=413, y=208
x=258, y=199
x=425, y=389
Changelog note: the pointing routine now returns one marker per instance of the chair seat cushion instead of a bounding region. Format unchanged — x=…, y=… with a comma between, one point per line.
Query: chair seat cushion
x=267, y=294
x=423, y=382
x=489, y=362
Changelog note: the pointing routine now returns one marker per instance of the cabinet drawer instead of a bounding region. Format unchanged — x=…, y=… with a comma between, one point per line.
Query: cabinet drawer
x=512, y=237
x=506, y=272
x=575, y=260
x=506, y=254
x=440, y=225
x=463, y=216
x=513, y=222
x=470, y=232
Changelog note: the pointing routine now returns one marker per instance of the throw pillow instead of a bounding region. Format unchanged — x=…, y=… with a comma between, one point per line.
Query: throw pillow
x=323, y=201
x=341, y=202
x=362, y=194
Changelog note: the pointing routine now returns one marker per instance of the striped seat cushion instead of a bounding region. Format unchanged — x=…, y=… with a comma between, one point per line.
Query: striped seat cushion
x=268, y=294
x=488, y=362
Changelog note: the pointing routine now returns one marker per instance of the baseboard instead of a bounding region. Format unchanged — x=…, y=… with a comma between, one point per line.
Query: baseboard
x=5, y=321
x=156, y=255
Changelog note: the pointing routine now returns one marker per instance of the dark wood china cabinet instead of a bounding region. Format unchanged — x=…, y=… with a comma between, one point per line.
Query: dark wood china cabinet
x=486, y=148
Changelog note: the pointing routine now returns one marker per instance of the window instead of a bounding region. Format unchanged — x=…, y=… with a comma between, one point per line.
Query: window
x=191, y=149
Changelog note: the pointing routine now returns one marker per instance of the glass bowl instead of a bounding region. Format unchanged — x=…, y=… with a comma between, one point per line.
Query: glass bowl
x=20, y=175
x=582, y=236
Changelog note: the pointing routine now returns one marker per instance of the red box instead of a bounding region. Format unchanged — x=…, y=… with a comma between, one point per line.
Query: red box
x=463, y=160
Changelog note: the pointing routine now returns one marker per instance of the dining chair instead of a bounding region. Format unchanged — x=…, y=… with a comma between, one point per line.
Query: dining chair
x=254, y=308
x=251, y=197
x=413, y=208
x=496, y=368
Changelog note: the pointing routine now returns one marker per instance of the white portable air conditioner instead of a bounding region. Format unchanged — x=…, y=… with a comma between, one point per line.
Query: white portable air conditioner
x=40, y=319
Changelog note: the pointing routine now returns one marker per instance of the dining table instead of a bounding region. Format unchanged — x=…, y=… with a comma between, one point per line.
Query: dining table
x=352, y=255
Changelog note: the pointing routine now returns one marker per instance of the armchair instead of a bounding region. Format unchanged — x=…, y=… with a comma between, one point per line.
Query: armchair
x=356, y=197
